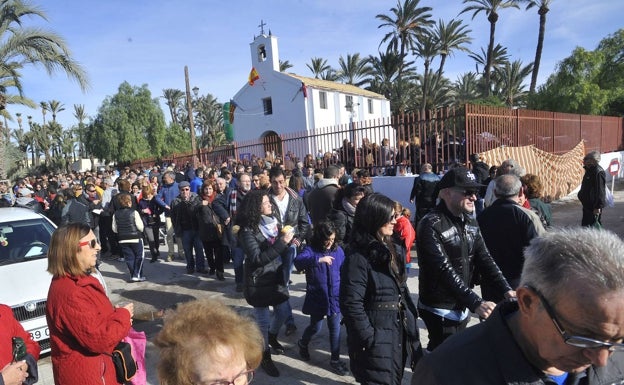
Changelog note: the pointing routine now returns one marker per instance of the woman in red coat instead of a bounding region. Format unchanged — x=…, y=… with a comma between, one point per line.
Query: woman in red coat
x=23, y=371
x=84, y=325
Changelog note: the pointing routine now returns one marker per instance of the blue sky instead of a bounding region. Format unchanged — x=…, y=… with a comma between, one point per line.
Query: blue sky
x=150, y=42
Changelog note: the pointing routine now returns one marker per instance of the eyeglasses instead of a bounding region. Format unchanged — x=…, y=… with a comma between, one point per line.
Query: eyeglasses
x=572, y=340
x=241, y=379
x=92, y=243
x=467, y=193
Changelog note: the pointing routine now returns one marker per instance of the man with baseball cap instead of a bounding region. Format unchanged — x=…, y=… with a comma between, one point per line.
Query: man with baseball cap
x=450, y=247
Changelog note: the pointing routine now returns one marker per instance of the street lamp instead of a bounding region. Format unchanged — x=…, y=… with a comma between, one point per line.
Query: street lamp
x=195, y=91
x=190, y=115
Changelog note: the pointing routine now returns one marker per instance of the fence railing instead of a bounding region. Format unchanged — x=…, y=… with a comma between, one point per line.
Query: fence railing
x=401, y=144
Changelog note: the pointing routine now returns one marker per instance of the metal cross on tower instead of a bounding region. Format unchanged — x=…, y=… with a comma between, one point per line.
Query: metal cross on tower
x=262, y=24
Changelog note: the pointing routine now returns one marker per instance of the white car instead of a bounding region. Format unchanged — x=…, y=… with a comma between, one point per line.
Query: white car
x=24, y=280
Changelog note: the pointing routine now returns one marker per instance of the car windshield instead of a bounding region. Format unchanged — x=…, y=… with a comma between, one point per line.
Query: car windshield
x=24, y=240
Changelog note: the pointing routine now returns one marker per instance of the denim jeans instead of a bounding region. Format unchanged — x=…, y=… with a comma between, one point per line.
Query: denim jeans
x=288, y=260
x=238, y=256
x=134, y=255
x=267, y=321
x=190, y=241
x=316, y=323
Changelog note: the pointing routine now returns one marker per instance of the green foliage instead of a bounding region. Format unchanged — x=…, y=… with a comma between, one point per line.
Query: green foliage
x=129, y=125
x=587, y=82
x=177, y=139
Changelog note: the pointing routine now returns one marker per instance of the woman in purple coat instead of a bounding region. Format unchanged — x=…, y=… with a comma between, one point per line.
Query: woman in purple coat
x=321, y=261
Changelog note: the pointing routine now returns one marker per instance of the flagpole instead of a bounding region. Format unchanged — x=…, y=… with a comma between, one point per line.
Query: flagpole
x=189, y=106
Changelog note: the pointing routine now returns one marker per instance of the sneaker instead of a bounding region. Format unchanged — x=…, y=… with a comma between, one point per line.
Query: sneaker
x=169, y=257
x=154, y=259
x=339, y=367
x=220, y=276
x=268, y=366
x=142, y=279
x=304, y=353
x=135, y=279
x=290, y=329
x=121, y=259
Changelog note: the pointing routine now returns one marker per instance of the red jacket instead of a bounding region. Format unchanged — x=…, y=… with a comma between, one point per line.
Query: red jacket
x=84, y=329
x=406, y=231
x=9, y=328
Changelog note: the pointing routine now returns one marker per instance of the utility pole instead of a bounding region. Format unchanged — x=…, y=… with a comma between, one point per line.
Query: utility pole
x=189, y=106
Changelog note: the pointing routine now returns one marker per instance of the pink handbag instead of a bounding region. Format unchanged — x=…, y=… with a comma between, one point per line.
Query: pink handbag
x=138, y=340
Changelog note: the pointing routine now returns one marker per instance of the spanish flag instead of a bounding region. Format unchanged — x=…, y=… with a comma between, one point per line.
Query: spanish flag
x=253, y=76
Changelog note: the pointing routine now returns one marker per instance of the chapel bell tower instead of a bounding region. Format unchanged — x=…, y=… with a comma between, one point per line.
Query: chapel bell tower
x=264, y=54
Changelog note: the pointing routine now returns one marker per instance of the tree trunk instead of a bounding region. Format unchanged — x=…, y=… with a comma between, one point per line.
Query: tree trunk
x=538, y=50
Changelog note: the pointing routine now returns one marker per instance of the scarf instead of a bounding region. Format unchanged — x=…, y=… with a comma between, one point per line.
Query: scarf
x=268, y=228
x=348, y=207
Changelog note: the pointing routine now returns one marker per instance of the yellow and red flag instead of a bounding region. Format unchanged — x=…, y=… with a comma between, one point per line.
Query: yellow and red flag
x=253, y=76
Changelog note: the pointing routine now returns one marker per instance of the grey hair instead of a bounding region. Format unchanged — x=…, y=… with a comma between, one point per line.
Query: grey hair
x=507, y=186
x=579, y=259
x=595, y=155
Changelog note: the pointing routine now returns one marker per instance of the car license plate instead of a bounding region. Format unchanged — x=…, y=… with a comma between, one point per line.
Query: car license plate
x=40, y=334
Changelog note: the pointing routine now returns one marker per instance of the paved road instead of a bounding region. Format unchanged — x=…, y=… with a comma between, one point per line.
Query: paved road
x=168, y=285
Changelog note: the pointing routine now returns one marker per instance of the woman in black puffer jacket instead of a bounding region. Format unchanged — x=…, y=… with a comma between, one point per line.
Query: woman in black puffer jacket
x=267, y=260
x=378, y=311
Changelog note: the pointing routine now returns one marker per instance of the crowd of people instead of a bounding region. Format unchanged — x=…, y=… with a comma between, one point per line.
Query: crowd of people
x=483, y=226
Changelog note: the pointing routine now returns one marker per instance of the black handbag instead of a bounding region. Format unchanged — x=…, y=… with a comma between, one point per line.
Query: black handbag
x=125, y=365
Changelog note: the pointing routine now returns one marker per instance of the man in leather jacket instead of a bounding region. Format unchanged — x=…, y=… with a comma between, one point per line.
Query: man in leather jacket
x=565, y=328
x=450, y=247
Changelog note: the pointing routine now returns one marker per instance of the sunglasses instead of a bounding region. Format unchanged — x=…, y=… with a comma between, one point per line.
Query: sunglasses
x=467, y=193
x=92, y=243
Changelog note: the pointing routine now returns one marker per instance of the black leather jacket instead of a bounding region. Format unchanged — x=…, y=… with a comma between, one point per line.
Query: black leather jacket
x=296, y=215
x=449, y=250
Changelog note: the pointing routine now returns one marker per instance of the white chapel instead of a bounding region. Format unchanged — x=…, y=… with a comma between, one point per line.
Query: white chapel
x=277, y=103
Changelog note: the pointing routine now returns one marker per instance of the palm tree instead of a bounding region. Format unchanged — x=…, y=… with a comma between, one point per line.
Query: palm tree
x=81, y=116
x=451, y=37
x=508, y=81
x=174, y=100
x=23, y=45
x=55, y=107
x=465, y=88
x=45, y=107
x=491, y=8
x=208, y=119
x=318, y=66
x=353, y=70
x=284, y=65
x=499, y=57
x=384, y=72
x=543, y=9
x=330, y=75
x=408, y=21
x=427, y=48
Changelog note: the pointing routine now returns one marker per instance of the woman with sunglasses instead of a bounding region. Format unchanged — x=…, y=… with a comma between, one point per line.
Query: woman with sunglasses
x=375, y=301
x=207, y=343
x=84, y=326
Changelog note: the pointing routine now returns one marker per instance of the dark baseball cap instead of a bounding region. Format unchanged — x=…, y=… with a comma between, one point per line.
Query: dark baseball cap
x=459, y=177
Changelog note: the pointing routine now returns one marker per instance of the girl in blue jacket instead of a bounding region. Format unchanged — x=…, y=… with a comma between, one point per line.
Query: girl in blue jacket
x=321, y=261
